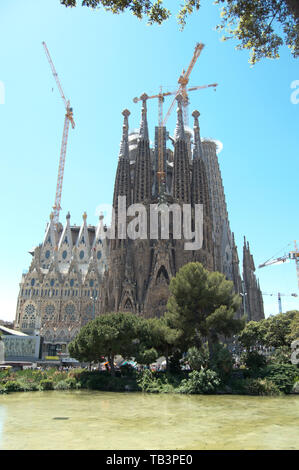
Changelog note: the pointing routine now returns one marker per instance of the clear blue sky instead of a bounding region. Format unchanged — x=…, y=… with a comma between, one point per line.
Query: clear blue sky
x=104, y=61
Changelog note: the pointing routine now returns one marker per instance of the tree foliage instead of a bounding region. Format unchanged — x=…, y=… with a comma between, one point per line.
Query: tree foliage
x=277, y=331
x=108, y=335
x=202, y=305
x=261, y=26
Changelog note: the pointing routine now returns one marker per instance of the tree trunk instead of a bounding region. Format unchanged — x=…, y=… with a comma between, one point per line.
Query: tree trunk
x=111, y=363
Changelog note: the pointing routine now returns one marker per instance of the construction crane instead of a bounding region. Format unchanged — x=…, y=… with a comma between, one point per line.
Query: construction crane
x=162, y=122
x=67, y=120
x=291, y=255
x=279, y=295
x=183, y=81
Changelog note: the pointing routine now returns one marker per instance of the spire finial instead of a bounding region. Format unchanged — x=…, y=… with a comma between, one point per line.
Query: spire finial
x=179, y=133
x=143, y=125
x=124, y=145
x=68, y=216
x=84, y=216
x=197, y=151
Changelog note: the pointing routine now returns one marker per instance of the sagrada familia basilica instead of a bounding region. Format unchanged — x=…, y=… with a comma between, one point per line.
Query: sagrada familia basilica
x=79, y=272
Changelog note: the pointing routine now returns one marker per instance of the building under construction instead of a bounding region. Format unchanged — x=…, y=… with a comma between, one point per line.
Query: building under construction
x=78, y=272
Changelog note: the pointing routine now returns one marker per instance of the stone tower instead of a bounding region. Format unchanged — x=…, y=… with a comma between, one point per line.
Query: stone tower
x=140, y=269
x=254, y=307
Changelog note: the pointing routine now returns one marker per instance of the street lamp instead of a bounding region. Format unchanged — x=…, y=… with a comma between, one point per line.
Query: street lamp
x=93, y=298
x=244, y=297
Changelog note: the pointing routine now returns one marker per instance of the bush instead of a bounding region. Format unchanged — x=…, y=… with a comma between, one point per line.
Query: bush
x=46, y=384
x=221, y=362
x=282, y=375
x=67, y=384
x=197, y=358
x=253, y=360
x=205, y=381
x=281, y=355
x=158, y=382
x=12, y=386
x=259, y=386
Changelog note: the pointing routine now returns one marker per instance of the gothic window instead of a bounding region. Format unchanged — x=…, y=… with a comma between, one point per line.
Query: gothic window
x=72, y=282
x=52, y=282
x=99, y=255
x=91, y=282
x=88, y=314
x=47, y=254
x=32, y=282
x=49, y=312
x=81, y=255
x=70, y=312
x=64, y=254
x=28, y=320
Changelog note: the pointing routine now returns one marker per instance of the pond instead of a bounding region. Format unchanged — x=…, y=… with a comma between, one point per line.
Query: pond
x=103, y=420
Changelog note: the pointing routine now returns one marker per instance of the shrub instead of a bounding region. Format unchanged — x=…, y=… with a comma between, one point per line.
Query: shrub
x=46, y=384
x=282, y=375
x=158, y=382
x=28, y=385
x=253, y=360
x=197, y=358
x=62, y=385
x=281, y=355
x=259, y=386
x=205, y=381
x=12, y=386
x=221, y=362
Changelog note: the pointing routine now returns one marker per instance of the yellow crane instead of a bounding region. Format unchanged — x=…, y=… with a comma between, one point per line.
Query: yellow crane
x=183, y=90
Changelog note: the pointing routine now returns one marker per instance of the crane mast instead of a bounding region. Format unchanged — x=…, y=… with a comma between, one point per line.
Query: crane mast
x=67, y=120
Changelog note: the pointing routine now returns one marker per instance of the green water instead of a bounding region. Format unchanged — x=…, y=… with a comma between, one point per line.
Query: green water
x=97, y=420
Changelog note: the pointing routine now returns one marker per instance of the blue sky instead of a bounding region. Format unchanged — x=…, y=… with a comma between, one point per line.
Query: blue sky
x=103, y=62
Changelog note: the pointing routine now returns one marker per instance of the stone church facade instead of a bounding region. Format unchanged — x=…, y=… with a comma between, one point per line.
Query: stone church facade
x=79, y=272
x=140, y=270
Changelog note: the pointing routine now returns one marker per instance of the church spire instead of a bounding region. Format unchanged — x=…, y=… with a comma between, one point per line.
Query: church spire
x=122, y=186
x=179, y=133
x=197, y=150
x=143, y=131
x=124, y=145
x=181, y=164
x=142, y=190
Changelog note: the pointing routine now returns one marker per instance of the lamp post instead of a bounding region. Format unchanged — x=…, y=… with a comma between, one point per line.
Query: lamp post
x=93, y=298
x=244, y=297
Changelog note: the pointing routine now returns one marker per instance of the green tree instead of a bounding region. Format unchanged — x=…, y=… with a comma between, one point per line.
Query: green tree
x=163, y=336
x=293, y=315
x=202, y=306
x=108, y=335
x=253, y=334
x=261, y=26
